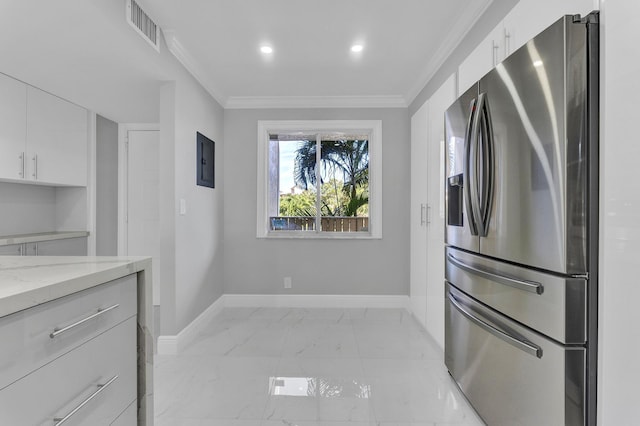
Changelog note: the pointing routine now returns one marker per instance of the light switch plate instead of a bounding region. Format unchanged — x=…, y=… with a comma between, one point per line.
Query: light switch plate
x=183, y=206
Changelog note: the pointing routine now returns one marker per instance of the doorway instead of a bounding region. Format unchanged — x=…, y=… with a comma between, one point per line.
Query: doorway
x=142, y=198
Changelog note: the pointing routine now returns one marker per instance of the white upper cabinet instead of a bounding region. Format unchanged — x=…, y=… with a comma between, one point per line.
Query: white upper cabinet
x=56, y=140
x=530, y=17
x=13, y=117
x=43, y=139
x=527, y=19
x=479, y=62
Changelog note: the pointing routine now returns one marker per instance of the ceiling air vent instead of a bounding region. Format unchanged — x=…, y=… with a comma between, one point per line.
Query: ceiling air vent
x=143, y=24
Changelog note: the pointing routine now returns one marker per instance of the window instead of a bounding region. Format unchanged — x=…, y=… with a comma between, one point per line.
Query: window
x=319, y=179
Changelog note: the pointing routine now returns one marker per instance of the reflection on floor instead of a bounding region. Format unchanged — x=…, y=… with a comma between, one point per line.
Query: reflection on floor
x=309, y=367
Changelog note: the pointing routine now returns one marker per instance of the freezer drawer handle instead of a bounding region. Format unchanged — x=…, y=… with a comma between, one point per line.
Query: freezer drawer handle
x=60, y=420
x=523, y=345
x=530, y=286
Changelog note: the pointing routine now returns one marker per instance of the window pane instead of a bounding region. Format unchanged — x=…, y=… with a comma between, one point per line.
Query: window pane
x=292, y=200
x=344, y=173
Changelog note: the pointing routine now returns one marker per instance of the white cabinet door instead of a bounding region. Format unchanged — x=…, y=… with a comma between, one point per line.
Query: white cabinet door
x=12, y=250
x=63, y=247
x=418, y=249
x=13, y=118
x=484, y=57
x=56, y=140
x=530, y=17
x=438, y=104
x=526, y=20
x=74, y=380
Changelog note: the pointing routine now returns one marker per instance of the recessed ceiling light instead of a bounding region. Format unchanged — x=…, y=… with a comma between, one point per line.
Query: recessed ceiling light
x=357, y=48
x=537, y=63
x=266, y=49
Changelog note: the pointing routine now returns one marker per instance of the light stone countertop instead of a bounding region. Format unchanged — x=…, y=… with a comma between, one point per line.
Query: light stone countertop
x=27, y=281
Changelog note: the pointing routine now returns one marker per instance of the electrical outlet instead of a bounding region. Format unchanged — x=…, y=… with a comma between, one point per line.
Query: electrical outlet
x=287, y=282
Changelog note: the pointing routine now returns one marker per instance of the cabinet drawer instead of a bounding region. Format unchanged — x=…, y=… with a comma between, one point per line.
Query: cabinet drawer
x=129, y=417
x=26, y=336
x=58, y=388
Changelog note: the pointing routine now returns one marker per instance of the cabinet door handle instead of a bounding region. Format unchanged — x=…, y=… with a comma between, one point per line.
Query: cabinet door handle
x=60, y=420
x=507, y=43
x=35, y=167
x=58, y=331
x=35, y=249
x=21, y=165
x=423, y=214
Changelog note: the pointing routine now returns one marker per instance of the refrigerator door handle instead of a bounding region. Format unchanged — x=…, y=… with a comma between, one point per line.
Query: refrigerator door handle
x=470, y=170
x=530, y=286
x=474, y=158
x=520, y=343
x=487, y=164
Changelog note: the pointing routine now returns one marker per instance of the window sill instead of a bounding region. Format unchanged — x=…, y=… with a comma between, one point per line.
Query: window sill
x=289, y=235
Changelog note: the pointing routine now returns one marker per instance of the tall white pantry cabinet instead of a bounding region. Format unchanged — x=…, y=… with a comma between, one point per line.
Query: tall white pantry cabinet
x=427, y=210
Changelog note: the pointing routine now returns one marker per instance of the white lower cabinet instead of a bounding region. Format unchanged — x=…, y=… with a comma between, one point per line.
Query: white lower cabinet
x=26, y=335
x=88, y=386
x=64, y=247
x=74, y=358
x=12, y=250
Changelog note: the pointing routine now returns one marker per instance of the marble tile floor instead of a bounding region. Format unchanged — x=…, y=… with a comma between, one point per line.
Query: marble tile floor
x=309, y=367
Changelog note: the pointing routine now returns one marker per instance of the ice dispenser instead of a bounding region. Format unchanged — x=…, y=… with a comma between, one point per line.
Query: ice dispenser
x=454, y=200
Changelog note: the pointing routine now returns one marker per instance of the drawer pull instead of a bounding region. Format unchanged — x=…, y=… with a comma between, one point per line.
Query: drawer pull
x=58, y=331
x=60, y=420
x=530, y=286
x=520, y=343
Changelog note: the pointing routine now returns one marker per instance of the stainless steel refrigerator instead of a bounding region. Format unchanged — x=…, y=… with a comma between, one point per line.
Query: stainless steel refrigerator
x=521, y=232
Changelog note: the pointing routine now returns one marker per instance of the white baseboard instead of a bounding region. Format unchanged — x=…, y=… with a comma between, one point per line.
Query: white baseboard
x=316, y=301
x=171, y=345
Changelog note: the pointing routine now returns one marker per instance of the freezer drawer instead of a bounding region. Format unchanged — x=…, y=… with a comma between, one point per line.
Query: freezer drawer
x=511, y=375
x=553, y=305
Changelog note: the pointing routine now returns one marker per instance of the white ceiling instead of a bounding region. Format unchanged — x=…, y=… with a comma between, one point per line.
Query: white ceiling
x=84, y=50
x=404, y=43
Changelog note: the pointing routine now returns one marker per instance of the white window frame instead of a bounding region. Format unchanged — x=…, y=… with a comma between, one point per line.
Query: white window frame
x=371, y=127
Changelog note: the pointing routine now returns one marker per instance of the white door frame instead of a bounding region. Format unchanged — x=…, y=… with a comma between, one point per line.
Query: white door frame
x=123, y=178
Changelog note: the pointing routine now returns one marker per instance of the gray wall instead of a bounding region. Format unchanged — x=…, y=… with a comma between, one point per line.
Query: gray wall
x=258, y=266
x=106, y=187
x=199, y=233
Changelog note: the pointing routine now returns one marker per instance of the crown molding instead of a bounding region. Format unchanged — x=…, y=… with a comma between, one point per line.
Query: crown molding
x=261, y=102
x=467, y=20
x=191, y=65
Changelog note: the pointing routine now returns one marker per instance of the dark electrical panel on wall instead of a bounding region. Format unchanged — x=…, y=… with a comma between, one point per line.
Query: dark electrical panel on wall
x=206, y=150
